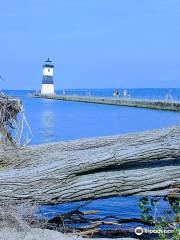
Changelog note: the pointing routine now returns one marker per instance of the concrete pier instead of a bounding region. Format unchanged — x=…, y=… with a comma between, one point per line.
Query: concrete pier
x=129, y=102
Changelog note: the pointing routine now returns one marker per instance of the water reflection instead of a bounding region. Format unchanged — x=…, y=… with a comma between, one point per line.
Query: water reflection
x=48, y=125
x=53, y=121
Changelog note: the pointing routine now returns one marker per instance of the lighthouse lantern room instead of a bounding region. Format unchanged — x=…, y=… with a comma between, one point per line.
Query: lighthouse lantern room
x=48, y=82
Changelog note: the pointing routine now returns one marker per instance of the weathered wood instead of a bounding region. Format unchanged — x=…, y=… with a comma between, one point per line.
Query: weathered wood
x=9, y=108
x=169, y=105
x=145, y=163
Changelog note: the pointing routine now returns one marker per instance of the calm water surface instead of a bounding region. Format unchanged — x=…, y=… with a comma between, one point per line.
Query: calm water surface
x=52, y=120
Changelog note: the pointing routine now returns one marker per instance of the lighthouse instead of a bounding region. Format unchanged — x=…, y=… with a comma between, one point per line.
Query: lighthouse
x=48, y=82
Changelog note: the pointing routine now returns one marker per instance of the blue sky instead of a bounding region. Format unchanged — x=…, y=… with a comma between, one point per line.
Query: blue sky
x=93, y=43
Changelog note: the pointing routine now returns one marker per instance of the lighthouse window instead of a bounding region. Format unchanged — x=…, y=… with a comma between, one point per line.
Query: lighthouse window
x=48, y=69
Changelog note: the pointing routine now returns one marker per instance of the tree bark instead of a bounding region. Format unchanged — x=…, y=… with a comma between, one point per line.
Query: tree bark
x=146, y=163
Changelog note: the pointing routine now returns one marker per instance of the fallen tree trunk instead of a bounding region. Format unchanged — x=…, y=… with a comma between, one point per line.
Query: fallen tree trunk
x=145, y=163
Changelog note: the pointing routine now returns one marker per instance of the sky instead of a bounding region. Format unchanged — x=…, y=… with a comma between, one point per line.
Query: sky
x=93, y=43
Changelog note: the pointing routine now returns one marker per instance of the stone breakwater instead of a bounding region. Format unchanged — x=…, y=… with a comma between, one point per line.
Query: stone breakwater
x=129, y=102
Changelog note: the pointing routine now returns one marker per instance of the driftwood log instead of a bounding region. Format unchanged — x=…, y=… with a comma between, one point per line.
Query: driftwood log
x=9, y=109
x=146, y=163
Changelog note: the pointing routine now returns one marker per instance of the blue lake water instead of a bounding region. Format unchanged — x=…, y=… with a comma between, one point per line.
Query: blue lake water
x=53, y=120
x=144, y=93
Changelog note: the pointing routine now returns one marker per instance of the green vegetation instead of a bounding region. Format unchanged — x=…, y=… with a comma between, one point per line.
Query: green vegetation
x=167, y=224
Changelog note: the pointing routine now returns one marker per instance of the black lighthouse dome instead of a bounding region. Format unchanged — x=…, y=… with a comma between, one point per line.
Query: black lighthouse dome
x=48, y=63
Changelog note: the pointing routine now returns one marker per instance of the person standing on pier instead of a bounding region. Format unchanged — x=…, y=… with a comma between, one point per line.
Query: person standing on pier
x=116, y=93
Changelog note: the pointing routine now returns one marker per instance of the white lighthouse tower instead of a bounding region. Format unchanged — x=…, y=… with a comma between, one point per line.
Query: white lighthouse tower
x=48, y=82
